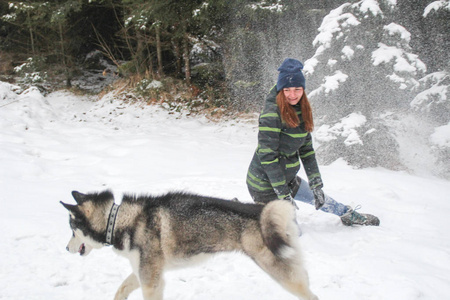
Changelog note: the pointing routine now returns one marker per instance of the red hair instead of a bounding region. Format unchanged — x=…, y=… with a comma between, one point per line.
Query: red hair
x=289, y=114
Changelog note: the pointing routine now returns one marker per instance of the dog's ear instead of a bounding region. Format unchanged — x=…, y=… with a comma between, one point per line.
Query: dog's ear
x=79, y=197
x=71, y=208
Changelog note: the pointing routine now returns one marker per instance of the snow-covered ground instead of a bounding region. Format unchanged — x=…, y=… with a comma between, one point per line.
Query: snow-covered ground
x=52, y=145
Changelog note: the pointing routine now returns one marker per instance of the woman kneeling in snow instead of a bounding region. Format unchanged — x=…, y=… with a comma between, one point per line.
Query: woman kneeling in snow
x=284, y=138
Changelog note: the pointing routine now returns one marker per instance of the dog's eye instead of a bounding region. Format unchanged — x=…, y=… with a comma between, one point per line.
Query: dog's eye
x=73, y=233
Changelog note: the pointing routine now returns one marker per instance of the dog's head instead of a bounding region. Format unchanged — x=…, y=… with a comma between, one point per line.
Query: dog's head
x=88, y=219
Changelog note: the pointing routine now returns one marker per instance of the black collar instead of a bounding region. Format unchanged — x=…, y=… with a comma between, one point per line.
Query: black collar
x=111, y=223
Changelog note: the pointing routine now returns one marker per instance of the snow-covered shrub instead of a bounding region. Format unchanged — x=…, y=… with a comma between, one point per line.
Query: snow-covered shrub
x=148, y=86
x=30, y=71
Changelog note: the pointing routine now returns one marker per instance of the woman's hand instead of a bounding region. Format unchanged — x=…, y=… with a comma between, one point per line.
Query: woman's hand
x=319, y=198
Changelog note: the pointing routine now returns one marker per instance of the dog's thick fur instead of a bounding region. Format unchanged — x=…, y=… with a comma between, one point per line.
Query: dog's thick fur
x=155, y=233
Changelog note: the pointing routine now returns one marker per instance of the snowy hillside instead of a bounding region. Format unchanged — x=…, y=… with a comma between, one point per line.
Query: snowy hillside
x=52, y=145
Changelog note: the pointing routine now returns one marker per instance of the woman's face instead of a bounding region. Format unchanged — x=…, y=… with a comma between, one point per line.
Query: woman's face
x=293, y=94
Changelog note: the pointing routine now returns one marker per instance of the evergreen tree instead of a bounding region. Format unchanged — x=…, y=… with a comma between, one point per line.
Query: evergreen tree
x=364, y=65
x=30, y=18
x=59, y=23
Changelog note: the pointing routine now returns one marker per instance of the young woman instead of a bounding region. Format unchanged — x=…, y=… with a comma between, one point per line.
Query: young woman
x=284, y=138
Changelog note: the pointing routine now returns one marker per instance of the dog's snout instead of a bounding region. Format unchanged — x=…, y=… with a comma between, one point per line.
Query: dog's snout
x=67, y=248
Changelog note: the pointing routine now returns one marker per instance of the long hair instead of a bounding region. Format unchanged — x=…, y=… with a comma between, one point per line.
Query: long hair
x=289, y=114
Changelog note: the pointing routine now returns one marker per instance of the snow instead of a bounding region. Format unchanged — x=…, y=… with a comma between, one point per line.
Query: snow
x=345, y=128
x=275, y=7
x=385, y=54
x=438, y=92
x=155, y=84
x=435, y=91
x=348, y=53
x=8, y=91
x=441, y=136
x=52, y=145
x=435, y=6
x=330, y=83
x=394, y=29
x=366, y=6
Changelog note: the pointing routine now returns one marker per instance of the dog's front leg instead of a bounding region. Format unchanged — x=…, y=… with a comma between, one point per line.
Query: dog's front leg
x=152, y=283
x=153, y=290
x=128, y=285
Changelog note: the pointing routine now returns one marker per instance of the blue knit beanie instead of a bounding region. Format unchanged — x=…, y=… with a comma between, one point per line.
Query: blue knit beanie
x=290, y=74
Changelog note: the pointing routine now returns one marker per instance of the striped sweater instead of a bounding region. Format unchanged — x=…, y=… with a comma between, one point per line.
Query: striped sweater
x=273, y=170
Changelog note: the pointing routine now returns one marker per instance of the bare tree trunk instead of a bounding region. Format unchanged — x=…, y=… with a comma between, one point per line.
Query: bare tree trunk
x=187, y=65
x=158, y=50
x=150, y=72
x=61, y=40
x=176, y=49
x=63, y=56
x=31, y=32
x=140, y=53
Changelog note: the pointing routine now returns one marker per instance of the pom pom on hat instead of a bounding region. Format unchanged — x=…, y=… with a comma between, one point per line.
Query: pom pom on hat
x=290, y=74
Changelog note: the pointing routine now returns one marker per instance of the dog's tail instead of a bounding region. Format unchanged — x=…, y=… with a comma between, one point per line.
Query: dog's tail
x=279, y=228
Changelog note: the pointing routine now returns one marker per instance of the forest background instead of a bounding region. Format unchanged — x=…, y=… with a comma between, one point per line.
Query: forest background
x=377, y=70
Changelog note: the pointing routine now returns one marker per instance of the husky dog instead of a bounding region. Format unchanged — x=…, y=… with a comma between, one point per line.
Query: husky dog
x=157, y=232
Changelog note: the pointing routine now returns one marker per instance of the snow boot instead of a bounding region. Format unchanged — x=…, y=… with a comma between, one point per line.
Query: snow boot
x=351, y=217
